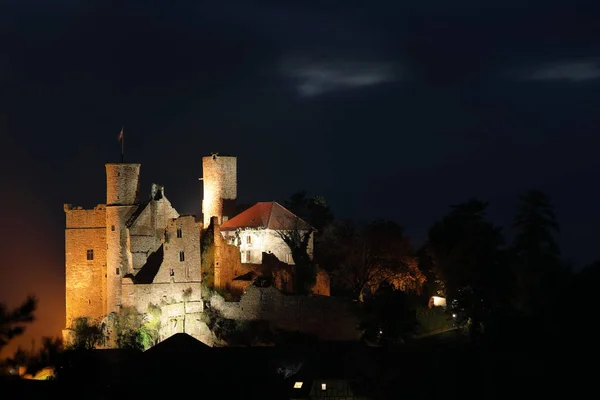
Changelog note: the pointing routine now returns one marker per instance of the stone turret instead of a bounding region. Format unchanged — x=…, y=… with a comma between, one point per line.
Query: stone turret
x=122, y=189
x=219, y=174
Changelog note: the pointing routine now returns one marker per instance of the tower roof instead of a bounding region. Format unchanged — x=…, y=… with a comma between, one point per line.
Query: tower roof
x=266, y=215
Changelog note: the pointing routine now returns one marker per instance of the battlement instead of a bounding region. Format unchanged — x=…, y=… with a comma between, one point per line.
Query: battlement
x=79, y=217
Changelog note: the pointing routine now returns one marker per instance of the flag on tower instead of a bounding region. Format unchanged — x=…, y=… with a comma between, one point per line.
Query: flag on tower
x=121, y=135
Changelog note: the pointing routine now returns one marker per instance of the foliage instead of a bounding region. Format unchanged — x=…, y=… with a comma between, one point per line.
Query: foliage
x=87, y=334
x=138, y=331
x=297, y=237
x=389, y=319
x=208, y=258
x=538, y=268
x=433, y=319
x=365, y=256
x=313, y=210
x=464, y=251
x=13, y=322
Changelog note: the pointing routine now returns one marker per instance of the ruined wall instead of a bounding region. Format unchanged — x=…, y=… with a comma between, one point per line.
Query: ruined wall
x=181, y=262
x=226, y=258
x=148, y=229
x=85, y=279
x=219, y=176
x=329, y=318
x=180, y=303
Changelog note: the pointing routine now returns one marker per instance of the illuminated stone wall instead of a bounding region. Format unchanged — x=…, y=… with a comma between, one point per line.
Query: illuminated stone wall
x=122, y=187
x=122, y=183
x=219, y=175
x=329, y=318
x=178, y=312
x=148, y=229
x=85, y=286
x=253, y=242
x=181, y=262
x=226, y=258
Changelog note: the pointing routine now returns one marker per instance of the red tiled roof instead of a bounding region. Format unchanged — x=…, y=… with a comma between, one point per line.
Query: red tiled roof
x=266, y=215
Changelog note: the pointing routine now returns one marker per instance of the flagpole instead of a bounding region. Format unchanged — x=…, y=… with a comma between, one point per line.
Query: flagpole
x=122, y=145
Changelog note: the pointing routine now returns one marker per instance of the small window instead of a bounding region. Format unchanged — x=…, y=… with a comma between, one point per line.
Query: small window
x=323, y=386
x=112, y=228
x=248, y=256
x=179, y=233
x=181, y=256
x=297, y=385
x=90, y=255
x=172, y=272
x=249, y=239
x=118, y=271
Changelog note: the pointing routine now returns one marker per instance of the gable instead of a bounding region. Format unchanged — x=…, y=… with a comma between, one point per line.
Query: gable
x=266, y=215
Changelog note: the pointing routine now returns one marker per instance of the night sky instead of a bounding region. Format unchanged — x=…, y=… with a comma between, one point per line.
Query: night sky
x=388, y=109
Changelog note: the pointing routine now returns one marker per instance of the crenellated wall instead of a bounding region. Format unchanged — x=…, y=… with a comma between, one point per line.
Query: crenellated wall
x=85, y=282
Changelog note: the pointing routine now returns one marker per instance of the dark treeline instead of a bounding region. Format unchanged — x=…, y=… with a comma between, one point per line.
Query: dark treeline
x=520, y=292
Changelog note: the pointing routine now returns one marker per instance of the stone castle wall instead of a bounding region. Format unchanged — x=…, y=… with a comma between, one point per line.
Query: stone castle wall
x=226, y=258
x=85, y=286
x=181, y=262
x=329, y=318
x=180, y=303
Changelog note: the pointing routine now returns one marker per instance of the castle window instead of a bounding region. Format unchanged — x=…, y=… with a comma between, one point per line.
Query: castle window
x=118, y=271
x=179, y=233
x=172, y=272
x=90, y=255
x=181, y=256
x=112, y=228
x=249, y=239
x=323, y=386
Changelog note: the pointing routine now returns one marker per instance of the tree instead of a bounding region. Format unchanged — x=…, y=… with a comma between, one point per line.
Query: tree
x=297, y=235
x=314, y=210
x=87, y=334
x=12, y=323
x=389, y=319
x=465, y=252
x=362, y=257
x=539, y=271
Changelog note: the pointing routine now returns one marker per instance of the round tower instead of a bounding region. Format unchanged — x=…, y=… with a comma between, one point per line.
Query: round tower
x=122, y=187
x=122, y=183
x=219, y=174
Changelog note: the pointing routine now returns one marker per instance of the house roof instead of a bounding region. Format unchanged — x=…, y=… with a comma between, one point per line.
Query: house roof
x=266, y=215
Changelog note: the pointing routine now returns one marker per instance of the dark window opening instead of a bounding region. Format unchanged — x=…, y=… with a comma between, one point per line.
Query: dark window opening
x=90, y=255
x=172, y=272
x=118, y=271
x=179, y=233
x=112, y=228
x=181, y=256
